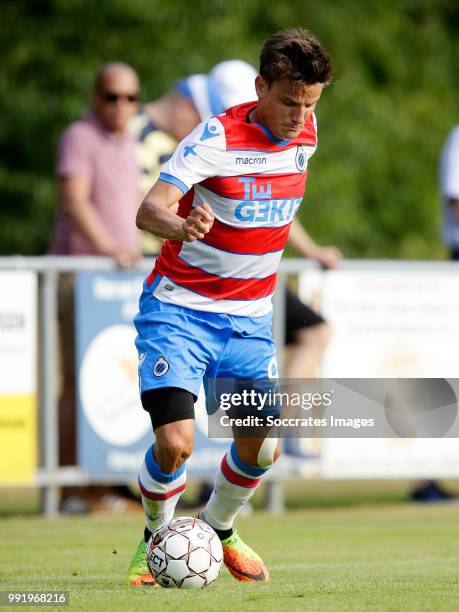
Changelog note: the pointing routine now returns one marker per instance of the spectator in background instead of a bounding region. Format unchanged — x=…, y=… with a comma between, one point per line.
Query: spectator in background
x=98, y=176
x=99, y=194
x=449, y=185
x=307, y=331
x=431, y=490
x=160, y=125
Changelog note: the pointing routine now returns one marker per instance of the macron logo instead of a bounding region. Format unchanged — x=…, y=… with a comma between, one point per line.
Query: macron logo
x=251, y=160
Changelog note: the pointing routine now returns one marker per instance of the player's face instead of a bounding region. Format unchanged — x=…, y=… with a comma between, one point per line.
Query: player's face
x=284, y=106
x=115, y=101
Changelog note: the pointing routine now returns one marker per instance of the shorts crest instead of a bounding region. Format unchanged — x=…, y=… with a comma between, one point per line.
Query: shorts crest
x=161, y=366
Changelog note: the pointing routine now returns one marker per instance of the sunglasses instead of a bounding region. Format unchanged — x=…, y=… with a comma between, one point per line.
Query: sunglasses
x=111, y=97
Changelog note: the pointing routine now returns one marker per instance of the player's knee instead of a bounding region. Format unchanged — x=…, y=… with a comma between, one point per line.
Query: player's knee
x=268, y=452
x=173, y=451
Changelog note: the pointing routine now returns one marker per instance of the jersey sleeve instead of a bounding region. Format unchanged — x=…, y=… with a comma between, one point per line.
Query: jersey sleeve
x=197, y=157
x=449, y=169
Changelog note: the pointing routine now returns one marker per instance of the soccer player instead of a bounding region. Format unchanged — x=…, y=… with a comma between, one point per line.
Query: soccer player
x=206, y=310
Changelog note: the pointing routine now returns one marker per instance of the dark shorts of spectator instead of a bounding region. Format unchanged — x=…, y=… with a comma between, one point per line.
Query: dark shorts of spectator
x=298, y=317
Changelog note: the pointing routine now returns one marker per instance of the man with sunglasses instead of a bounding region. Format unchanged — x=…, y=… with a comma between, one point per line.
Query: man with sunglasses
x=98, y=185
x=98, y=176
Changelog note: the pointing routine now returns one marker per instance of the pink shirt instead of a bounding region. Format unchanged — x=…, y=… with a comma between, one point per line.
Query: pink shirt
x=109, y=162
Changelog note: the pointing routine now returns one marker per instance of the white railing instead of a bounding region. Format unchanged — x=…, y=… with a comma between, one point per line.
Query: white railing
x=50, y=476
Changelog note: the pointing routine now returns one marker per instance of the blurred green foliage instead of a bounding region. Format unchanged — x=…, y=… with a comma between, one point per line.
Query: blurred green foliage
x=372, y=186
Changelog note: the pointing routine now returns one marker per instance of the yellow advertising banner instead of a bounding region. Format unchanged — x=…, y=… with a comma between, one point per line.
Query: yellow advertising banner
x=18, y=376
x=18, y=438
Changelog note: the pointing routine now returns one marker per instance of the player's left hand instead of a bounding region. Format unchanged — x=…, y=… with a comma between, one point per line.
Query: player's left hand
x=329, y=257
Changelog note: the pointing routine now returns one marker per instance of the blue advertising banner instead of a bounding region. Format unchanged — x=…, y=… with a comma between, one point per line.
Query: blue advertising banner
x=113, y=429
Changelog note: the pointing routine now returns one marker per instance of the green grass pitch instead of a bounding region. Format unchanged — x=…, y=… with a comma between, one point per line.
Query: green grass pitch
x=391, y=557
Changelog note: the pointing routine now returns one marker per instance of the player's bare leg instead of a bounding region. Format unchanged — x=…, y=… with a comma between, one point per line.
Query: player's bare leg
x=241, y=471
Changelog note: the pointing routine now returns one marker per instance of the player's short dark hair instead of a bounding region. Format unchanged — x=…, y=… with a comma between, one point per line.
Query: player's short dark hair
x=297, y=55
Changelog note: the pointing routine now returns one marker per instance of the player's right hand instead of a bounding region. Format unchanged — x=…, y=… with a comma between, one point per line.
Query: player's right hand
x=126, y=259
x=198, y=223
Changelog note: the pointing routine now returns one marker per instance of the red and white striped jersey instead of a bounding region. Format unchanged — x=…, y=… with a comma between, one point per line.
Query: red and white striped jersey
x=254, y=184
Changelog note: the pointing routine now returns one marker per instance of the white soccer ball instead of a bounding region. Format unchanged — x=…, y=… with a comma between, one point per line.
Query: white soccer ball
x=185, y=554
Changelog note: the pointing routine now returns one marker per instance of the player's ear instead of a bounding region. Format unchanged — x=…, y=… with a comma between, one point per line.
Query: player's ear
x=261, y=86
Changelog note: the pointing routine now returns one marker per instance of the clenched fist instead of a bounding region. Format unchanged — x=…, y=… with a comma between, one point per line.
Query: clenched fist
x=198, y=223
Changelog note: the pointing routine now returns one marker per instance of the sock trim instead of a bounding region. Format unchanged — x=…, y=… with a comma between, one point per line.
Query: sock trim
x=155, y=471
x=245, y=467
x=161, y=496
x=237, y=479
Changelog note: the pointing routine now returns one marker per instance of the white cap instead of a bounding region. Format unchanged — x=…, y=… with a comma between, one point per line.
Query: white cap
x=229, y=83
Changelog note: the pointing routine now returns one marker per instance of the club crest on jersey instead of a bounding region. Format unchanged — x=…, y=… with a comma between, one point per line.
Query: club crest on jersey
x=161, y=366
x=300, y=158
